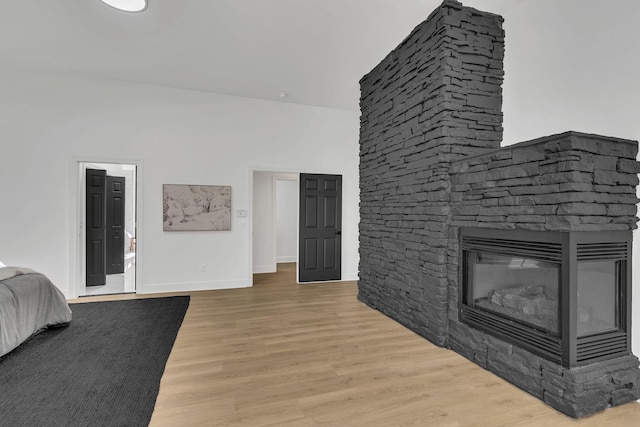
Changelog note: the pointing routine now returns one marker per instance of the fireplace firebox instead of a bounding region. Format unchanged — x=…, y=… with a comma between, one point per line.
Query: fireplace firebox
x=561, y=295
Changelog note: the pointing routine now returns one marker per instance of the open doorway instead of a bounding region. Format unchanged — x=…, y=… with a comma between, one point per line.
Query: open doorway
x=107, y=228
x=286, y=219
x=307, y=206
x=275, y=219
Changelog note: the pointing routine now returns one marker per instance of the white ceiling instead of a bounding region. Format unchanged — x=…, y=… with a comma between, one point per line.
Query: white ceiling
x=316, y=51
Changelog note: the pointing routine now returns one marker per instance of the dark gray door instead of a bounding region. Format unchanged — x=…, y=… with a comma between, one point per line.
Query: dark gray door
x=115, y=225
x=96, y=227
x=320, y=231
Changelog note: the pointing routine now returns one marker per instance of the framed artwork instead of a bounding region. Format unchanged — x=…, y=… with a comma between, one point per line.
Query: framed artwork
x=196, y=207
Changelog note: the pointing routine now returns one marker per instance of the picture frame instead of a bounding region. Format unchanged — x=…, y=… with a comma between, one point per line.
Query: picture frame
x=196, y=207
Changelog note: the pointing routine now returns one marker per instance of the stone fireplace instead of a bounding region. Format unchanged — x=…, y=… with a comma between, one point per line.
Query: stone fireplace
x=518, y=258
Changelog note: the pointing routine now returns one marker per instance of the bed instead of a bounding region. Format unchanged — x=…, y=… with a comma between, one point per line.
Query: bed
x=29, y=302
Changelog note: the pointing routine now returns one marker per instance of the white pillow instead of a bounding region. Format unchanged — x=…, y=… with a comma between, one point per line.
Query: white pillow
x=2, y=265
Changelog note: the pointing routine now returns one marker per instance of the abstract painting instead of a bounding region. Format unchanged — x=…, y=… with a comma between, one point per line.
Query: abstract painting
x=196, y=207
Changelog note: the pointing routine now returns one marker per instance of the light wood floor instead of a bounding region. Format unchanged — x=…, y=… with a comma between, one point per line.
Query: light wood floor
x=281, y=354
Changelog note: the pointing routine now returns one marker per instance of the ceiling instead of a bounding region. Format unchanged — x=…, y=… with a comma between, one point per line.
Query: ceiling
x=314, y=51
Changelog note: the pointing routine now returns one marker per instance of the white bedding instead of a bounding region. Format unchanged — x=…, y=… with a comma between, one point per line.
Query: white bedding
x=29, y=302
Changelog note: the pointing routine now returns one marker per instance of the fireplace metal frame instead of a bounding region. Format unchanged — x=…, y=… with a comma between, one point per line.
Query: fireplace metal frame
x=565, y=249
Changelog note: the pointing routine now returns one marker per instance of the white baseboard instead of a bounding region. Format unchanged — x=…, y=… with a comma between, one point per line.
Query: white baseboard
x=291, y=258
x=192, y=286
x=258, y=269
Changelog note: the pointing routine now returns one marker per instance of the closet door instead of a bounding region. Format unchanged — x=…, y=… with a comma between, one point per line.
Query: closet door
x=115, y=225
x=96, y=227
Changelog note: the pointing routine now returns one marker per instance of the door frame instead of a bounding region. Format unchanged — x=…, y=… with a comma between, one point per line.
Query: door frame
x=298, y=172
x=251, y=217
x=77, y=251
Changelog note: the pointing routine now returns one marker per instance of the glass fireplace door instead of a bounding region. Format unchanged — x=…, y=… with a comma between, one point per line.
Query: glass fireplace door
x=598, y=297
x=565, y=296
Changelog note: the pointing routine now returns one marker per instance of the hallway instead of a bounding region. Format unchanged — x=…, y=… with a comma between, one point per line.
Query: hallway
x=286, y=275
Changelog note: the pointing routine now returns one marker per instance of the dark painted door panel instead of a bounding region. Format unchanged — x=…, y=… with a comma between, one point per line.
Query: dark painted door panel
x=96, y=227
x=320, y=227
x=115, y=225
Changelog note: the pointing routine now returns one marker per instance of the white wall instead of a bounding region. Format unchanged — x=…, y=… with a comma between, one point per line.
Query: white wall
x=49, y=122
x=287, y=219
x=571, y=65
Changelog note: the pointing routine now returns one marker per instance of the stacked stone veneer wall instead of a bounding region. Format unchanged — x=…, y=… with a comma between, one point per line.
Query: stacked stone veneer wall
x=566, y=182
x=430, y=162
x=434, y=99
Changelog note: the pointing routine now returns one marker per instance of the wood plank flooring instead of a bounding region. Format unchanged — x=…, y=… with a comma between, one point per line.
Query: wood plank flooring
x=281, y=354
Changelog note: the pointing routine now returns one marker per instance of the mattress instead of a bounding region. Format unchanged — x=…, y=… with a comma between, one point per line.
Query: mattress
x=29, y=303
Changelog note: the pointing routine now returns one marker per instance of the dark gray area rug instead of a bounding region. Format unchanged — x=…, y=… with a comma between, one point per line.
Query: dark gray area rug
x=104, y=369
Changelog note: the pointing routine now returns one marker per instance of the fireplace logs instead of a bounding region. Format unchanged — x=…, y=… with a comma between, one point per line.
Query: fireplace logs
x=530, y=304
